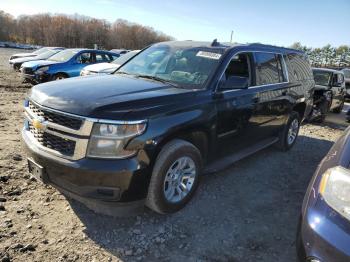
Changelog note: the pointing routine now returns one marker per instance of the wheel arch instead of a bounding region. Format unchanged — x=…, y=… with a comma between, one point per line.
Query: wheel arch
x=198, y=136
x=300, y=109
x=61, y=73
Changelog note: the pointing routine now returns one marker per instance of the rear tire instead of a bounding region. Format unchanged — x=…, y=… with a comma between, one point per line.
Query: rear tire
x=289, y=134
x=16, y=67
x=174, y=180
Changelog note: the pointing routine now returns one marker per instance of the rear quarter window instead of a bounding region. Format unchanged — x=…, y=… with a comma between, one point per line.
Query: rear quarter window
x=298, y=67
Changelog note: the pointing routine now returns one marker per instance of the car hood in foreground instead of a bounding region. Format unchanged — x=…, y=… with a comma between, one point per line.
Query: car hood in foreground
x=109, y=96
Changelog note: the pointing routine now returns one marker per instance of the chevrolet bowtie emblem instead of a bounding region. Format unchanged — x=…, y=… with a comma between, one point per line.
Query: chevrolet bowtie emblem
x=39, y=124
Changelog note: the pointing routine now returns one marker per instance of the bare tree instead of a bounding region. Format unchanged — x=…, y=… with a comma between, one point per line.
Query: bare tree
x=76, y=31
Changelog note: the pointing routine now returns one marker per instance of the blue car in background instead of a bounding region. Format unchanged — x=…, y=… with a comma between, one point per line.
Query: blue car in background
x=324, y=227
x=65, y=64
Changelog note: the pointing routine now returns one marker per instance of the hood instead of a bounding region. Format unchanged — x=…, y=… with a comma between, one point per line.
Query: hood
x=23, y=55
x=23, y=59
x=38, y=63
x=319, y=87
x=102, y=68
x=108, y=96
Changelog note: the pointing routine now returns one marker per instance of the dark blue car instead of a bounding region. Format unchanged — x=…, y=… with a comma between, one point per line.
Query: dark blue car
x=65, y=64
x=324, y=229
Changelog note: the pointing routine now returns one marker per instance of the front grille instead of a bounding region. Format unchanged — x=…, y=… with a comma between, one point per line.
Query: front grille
x=28, y=71
x=59, y=144
x=63, y=120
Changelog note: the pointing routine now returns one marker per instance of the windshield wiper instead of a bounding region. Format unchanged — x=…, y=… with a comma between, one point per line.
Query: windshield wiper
x=157, y=79
x=121, y=73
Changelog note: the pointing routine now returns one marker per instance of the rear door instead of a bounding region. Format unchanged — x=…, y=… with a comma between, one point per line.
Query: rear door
x=338, y=89
x=271, y=96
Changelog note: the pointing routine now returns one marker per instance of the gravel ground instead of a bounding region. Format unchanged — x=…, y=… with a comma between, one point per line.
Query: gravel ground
x=248, y=212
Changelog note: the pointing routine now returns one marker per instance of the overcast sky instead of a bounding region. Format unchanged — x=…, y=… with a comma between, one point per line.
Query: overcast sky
x=313, y=23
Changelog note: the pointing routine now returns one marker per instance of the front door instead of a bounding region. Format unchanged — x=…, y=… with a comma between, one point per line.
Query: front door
x=252, y=106
x=83, y=59
x=236, y=103
x=338, y=90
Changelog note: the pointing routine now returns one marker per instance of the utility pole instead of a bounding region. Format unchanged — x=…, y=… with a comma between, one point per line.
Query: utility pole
x=231, y=36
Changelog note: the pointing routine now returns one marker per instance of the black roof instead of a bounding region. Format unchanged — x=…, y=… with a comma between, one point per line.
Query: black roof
x=226, y=46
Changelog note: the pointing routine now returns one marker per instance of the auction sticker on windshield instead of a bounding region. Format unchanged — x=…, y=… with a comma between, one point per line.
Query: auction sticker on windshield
x=209, y=55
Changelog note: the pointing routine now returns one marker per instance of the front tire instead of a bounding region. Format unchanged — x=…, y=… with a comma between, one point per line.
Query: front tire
x=59, y=77
x=289, y=134
x=339, y=109
x=175, y=177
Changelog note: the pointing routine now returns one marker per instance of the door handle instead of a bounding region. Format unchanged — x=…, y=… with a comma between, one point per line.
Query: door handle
x=255, y=100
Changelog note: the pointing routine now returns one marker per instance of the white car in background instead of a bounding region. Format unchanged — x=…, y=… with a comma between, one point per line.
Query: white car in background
x=32, y=54
x=108, y=68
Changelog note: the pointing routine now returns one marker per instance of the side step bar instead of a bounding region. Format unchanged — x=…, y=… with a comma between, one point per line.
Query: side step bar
x=227, y=161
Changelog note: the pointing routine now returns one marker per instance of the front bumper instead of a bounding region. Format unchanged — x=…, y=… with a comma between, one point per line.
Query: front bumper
x=111, y=187
x=36, y=78
x=324, y=235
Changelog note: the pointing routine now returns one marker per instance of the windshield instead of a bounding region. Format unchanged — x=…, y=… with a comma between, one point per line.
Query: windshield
x=41, y=50
x=322, y=77
x=185, y=66
x=122, y=59
x=47, y=54
x=346, y=73
x=63, y=56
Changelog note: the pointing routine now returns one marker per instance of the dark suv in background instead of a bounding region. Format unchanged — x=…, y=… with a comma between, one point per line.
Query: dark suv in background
x=329, y=92
x=144, y=134
x=346, y=72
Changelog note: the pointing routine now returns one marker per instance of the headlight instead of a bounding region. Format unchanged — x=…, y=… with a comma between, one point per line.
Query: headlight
x=335, y=189
x=84, y=72
x=42, y=69
x=109, y=140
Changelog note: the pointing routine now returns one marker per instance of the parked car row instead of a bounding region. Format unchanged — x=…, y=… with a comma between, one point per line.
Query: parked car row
x=65, y=64
x=16, y=63
x=56, y=63
x=143, y=130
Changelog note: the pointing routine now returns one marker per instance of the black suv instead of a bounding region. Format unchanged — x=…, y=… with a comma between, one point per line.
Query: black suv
x=144, y=134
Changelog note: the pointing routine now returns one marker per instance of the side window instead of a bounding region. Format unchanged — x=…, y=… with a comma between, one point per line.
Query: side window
x=268, y=68
x=281, y=71
x=101, y=58
x=238, y=72
x=85, y=58
x=338, y=79
x=299, y=66
x=112, y=57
